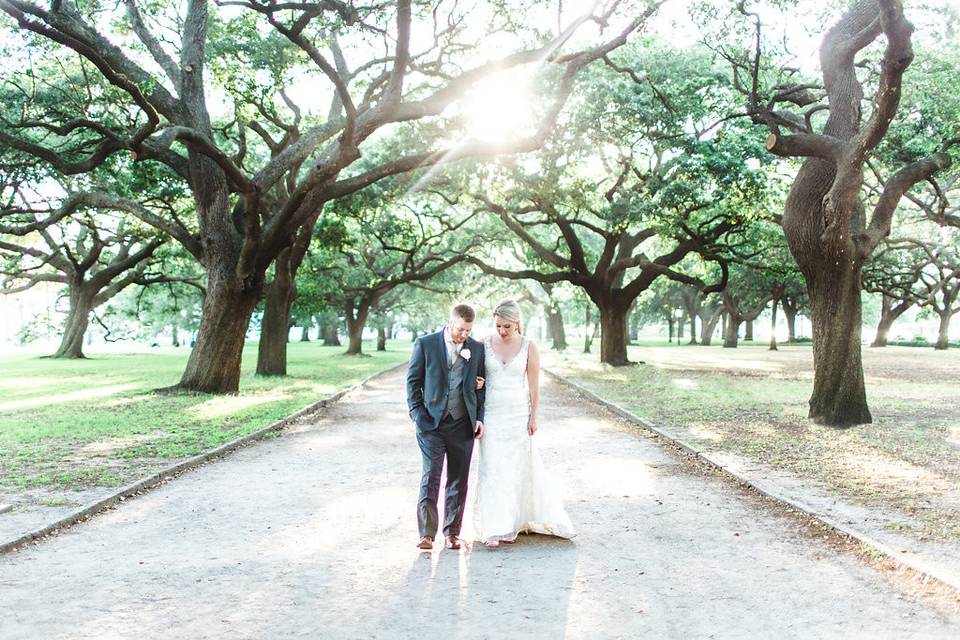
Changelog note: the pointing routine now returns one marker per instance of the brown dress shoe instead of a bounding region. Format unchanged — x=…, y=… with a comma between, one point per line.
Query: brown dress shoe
x=426, y=542
x=453, y=542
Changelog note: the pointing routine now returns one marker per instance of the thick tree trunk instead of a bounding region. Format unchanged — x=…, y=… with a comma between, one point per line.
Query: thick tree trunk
x=329, y=329
x=633, y=333
x=275, y=328
x=591, y=337
x=670, y=329
x=748, y=333
x=381, y=339
x=587, y=338
x=888, y=315
x=613, y=335
x=833, y=282
x=883, y=331
x=708, y=326
x=274, y=360
x=824, y=219
x=732, y=319
x=356, y=321
x=354, y=338
x=175, y=335
x=78, y=320
x=773, y=326
x=943, y=332
x=305, y=323
x=214, y=364
x=839, y=397
x=693, y=329
x=791, y=317
x=731, y=333
x=680, y=323
x=557, y=331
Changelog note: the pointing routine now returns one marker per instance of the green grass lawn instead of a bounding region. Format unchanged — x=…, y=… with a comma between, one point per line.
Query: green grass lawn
x=97, y=422
x=753, y=402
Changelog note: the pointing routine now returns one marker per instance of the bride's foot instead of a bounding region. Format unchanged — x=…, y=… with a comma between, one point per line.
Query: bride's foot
x=493, y=544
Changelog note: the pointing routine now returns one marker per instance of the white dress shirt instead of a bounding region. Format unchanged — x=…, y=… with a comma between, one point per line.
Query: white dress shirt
x=453, y=349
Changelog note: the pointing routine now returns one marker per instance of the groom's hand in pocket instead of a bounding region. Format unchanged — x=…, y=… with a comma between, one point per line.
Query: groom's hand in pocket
x=478, y=432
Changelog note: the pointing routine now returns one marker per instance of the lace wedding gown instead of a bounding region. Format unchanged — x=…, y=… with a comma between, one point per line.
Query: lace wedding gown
x=513, y=492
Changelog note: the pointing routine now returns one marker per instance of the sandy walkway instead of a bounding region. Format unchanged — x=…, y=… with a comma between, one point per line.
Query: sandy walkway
x=311, y=535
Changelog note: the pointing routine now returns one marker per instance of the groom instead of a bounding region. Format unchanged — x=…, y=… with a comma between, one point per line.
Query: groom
x=447, y=408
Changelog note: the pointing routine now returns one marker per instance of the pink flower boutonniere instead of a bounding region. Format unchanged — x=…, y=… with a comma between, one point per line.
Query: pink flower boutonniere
x=465, y=354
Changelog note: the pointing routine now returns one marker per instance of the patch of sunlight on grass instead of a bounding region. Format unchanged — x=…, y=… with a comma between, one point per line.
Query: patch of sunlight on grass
x=799, y=410
x=664, y=358
x=704, y=432
x=29, y=383
x=108, y=446
x=954, y=436
x=895, y=473
x=760, y=428
x=684, y=383
x=119, y=402
x=757, y=365
x=322, y=390
x=74, y=396
x=228, y=405
x=611, y=376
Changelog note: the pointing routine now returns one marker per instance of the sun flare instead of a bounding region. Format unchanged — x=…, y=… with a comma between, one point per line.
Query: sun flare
x=499, y=109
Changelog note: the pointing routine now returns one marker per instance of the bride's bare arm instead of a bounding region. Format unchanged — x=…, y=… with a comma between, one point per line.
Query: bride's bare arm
x=533, y=378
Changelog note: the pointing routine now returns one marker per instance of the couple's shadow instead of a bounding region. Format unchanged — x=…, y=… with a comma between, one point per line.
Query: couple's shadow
x=515, y=590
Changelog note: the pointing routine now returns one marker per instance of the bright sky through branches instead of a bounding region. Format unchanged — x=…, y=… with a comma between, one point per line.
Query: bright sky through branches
x=499, y=109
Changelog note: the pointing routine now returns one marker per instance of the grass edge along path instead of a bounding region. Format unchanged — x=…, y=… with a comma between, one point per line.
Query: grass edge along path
x=752, y=403
x=166, y=475
x=101, y=422
x=920, y=570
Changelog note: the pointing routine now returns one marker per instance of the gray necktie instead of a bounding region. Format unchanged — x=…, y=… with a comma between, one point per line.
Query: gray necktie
x=456, y=352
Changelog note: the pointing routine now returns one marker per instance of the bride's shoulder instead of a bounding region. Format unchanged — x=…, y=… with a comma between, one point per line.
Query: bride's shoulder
x=531, y=346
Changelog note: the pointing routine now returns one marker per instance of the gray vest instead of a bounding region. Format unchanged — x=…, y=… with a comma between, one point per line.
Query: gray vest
x=455, y=406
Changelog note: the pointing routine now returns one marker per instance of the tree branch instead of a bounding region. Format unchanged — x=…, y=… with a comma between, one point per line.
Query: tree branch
x=893, y=191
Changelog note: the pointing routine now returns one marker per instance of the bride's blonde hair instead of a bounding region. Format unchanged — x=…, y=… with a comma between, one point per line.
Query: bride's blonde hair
x=509, y=310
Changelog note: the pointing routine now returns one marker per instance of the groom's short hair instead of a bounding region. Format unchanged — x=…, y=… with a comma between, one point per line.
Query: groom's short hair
x=463, y=311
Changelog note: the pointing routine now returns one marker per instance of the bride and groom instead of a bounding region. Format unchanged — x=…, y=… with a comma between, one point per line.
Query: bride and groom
x=461, y=390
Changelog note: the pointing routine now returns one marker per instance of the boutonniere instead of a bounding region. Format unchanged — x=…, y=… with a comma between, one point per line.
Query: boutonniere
x=465, y=354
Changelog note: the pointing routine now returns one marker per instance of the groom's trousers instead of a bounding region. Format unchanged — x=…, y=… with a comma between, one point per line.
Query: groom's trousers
x=453, y=439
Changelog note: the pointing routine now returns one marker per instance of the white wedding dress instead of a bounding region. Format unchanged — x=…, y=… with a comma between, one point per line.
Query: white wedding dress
x=513, y=493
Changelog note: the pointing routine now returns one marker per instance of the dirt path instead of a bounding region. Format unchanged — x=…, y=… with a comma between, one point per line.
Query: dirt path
x=311, y=535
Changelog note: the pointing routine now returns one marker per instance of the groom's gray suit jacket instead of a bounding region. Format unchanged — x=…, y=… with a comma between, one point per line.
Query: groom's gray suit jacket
x=429, y=381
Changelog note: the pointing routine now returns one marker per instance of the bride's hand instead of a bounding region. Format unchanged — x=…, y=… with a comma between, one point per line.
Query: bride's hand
x=532, y=425
x=480, y=382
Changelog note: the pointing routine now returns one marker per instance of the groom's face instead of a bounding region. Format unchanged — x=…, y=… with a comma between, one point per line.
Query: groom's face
x=459, y=329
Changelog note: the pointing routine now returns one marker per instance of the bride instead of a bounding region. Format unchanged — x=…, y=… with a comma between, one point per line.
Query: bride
x=514, y=494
